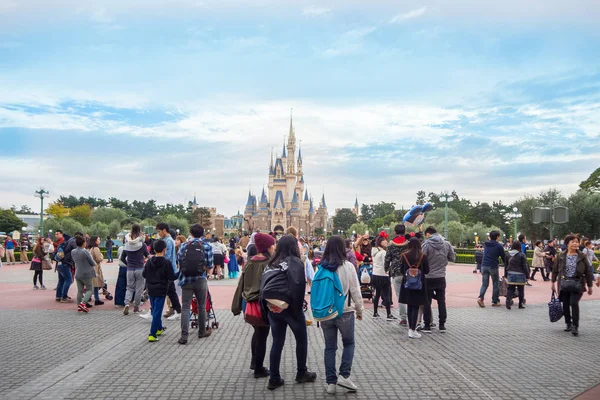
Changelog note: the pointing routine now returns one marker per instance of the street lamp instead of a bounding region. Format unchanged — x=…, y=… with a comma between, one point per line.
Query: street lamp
x=476, y=241
x=514, y=216
x=177, y=230
x=50, y=233
x=42, y=194
x=446, y=199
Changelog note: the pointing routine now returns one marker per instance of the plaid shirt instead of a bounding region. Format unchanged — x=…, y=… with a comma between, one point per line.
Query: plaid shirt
x=208, y=253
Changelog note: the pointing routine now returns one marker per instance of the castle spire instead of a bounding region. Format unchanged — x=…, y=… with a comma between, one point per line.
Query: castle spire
x=323, y=204
x=284, y=155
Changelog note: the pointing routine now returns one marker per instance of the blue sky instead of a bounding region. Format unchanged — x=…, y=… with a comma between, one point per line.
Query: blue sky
x=141, y=100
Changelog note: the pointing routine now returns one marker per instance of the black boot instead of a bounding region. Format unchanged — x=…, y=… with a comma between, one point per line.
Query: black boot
x=575, y=330
x=306, y=377
x=569, y=328
x=508, y=304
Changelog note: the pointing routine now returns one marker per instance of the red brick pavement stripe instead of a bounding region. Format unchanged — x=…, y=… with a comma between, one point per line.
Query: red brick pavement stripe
x=592, y=394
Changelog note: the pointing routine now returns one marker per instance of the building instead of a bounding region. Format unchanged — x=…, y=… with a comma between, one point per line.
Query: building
x=217, y=221
x=286, y=202
x=234, y=225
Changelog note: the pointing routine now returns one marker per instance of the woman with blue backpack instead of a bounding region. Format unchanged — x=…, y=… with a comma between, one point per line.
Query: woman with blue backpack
x=336, y=282
x=414, y=265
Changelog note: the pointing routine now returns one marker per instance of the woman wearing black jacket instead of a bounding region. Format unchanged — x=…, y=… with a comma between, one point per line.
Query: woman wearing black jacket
x=518, y=265
x=283, y=285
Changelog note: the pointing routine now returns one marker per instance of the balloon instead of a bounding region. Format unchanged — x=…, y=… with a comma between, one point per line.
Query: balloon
x=427, y=207
x=412, y=214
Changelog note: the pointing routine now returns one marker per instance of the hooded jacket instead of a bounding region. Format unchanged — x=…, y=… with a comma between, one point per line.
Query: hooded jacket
x=248, y=288
x=158, y=271
x=492, y=250
x=517, y=263
x=379, y=261
x=350, y=285
x=393, y=256
x=285, y=281
x=67, y=249
x=134, y=253
x=439, y=252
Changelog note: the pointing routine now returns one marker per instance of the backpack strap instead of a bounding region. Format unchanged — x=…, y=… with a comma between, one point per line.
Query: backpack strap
x=408, y=262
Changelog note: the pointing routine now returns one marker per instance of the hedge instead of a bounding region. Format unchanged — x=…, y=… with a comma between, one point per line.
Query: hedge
x=30, y=254
x=467, y=256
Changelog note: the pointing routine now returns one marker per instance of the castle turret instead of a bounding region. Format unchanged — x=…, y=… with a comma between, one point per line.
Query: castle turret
x=291, y=149
x=355, y=209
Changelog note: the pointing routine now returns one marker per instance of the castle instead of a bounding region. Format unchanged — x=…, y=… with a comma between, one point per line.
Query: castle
x=288, y=202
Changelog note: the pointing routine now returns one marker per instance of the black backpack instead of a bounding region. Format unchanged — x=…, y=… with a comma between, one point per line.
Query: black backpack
x=193, y=262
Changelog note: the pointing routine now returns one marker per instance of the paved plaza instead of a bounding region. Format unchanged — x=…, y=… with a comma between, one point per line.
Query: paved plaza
x=489, y=353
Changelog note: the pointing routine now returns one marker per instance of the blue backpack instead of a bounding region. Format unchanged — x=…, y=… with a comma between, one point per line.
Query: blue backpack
x=60, y=252
x=327, y=297
x=413, y=276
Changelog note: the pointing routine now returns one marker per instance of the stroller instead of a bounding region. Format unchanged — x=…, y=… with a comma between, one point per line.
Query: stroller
x=366, y=289
x=210, y=313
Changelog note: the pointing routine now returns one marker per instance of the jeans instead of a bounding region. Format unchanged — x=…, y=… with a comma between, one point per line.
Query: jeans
x=345, y=325
x=135, y=284
x=121, y=287
x=198, y=288
x=109, y=255
x=89, y=286
x=65, y=279
x=259, y=346
x=440, y=296
x=157, y=304
x=172, y=294
x=279, y=323
x=486, y=273
x=570, y=303
x=398, y=280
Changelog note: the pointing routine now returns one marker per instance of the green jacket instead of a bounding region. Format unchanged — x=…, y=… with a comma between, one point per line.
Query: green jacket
x=583, y=270
x=249, y=284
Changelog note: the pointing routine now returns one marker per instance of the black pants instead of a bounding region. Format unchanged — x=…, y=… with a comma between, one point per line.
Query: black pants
x=172, y=295
x=259, y=346
x=570, y=302
x=383, y=290
x=511, y=290
x=37, y=274
x=544, y=275
x=412, y=313
x=440, y=296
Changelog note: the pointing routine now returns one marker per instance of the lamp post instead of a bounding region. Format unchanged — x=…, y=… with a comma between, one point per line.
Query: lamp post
x=476, y=238
x=446, y=199
x=50, y=233
x=41, y=194
x=514, y=216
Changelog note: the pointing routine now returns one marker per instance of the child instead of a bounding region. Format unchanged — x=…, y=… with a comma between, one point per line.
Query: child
x=232, y=265
x=158, y=272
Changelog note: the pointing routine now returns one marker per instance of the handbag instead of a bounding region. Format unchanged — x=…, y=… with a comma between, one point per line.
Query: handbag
x=571, y=285
x=503, y=286
x=516, y=278
x=555, y=309
x=46, y=265
x=253, y=315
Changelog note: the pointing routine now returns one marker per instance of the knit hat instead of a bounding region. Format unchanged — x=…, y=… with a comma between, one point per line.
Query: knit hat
x=263, y=242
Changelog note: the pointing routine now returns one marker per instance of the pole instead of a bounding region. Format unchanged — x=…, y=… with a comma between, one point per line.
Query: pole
x=446, y=220
x=42, y=217
x=515, y=228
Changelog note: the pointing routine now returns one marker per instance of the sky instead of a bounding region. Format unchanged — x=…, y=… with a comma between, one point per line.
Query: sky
x=162, y=99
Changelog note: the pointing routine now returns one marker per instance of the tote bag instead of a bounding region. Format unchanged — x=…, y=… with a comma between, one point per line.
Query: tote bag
x=253, y=315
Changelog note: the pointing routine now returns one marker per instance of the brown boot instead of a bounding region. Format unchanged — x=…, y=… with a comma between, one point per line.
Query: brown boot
x=169, y=313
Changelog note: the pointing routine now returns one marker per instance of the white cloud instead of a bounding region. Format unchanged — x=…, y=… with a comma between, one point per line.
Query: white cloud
x=7, y=5
x=408, y=15
x=349, y=42
x=315, y=10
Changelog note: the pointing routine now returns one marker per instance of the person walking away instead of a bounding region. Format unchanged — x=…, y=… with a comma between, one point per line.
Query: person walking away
x=93, y=244
x=233, y=268
x=195, y=259
x=334, y=259
x=413, y=292
x=439, y=252
x=24, y=246
x=10, y=245
x=381, y=279
x=36, y=264
x=134, y=256
x=550, y=256
x=516, y=274
x=109, y=249
x=588, y=250
x=174, y=312
x=492, y=251
x=573, y=273
x=538, y=261
x=282, y=290
x=478, y=258
x=158, y=273
x=244, y=241
x=248, y=290
x=64, y=261
x=121, y=285
x=84, y=274
x=393, y=258
x=219, y=251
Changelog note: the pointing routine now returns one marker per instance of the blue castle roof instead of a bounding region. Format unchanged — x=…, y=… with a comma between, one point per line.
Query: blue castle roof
x=279, y=202
x=323, y=204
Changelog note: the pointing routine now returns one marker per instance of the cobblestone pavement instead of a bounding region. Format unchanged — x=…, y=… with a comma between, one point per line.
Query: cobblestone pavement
x=486, y=354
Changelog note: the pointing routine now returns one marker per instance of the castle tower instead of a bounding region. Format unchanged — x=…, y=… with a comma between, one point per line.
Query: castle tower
x=291, y=149
x=355, y=209
x=194, y=203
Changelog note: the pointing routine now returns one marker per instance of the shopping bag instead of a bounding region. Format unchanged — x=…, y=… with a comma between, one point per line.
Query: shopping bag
x=555, y=309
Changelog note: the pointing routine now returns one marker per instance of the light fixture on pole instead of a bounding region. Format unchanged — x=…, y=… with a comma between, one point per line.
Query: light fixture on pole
x=446, y=199
x=42, y=194
x=514, y=216
x=476, y=238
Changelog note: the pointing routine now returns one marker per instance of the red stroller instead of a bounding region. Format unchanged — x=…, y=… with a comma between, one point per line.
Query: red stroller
x=210, y=313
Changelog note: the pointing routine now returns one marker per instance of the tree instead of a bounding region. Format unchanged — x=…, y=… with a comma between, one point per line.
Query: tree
x=420, y=197
x=456, y=233
x=23, y=210
x=81, y=214
x=200, y=216
x=98, y=228
x=584, y=214
x=57, y=210
x=9, y=222
x=436, y=217
x=114, y=228
x=120, y=204
x=360, y=228
x=592, y=183
x=318, y=231
x=107, y=215
x=343, y=219
x=178, y=223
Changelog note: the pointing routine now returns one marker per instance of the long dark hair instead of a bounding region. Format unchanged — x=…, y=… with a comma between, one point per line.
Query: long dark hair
x=136, y=230
x=335, y=251
x=287, y=246
x=414, y=248
x=92, y=242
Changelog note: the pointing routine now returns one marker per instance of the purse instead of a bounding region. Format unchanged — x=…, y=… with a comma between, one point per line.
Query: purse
x=516, y=278
x=46, y=265
x=571, y=285
x=555, y=309
x=253, y=315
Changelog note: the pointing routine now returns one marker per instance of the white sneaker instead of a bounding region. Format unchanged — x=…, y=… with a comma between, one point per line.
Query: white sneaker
x=331, y=389
x=346, y=383
x=147, y=316
x=175, y=317
x=413, y=334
